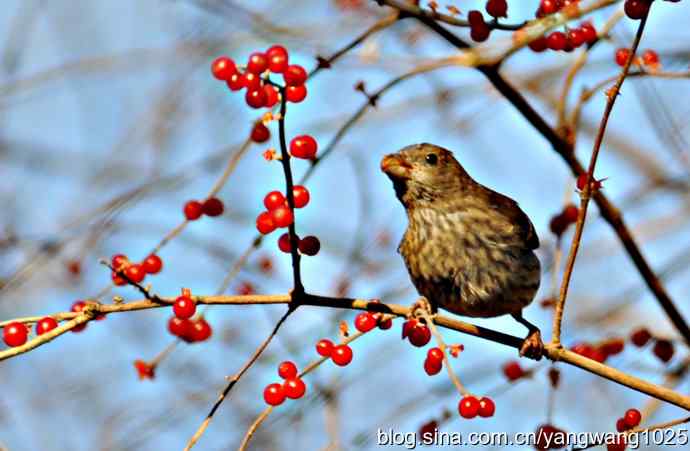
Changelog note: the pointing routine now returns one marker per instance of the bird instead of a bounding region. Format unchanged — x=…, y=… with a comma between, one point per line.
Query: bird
x=468, y=249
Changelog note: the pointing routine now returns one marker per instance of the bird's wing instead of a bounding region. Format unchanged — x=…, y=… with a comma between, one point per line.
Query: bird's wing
x=514, y=215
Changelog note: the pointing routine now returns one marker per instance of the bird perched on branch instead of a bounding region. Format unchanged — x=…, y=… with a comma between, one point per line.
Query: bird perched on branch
x=468, y=249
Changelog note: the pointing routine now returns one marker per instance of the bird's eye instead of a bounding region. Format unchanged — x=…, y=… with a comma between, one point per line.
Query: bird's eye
x=431, y=158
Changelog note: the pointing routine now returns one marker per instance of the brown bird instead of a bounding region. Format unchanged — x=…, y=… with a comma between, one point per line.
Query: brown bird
x=468, y=249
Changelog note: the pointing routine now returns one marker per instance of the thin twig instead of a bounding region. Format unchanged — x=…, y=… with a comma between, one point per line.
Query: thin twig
x=234, y=379
x=586, y=193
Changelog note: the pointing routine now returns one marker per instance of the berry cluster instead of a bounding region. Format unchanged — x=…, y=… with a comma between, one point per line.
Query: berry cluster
x=601, y=351
x=416, y=332
x=190, y=330
x=631, y=419
x=261, y=91
x=560, y=222
x=663, y=349
x=479, y=29
x=182, y=325
x=366, y=321
x=136, y=272
x=649, y=58
x=293, y=386
x=433, y=364
x=341, y=354
x=194, y=209
x=567, y=40
x=469, y=407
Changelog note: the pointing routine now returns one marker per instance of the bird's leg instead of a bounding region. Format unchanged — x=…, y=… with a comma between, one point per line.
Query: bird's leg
x=533, y=346
x=423, y=304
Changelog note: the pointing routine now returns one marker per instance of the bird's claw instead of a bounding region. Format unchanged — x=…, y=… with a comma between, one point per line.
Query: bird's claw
x=533, y=346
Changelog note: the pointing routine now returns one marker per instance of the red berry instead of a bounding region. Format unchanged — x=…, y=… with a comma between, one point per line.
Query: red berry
x=486, y=407
x=193, y=210
x=664, y=350
x=650, y=58
x=181, y=328
x=296, y=94
x=274, y=394
x=45, y=325
x=251, y=81
x=618, y=444
x=152, y=264
x=570, y=213
x=475, y=17
x=287, y=370
x=223, y=68
x=576, y=37
x=435, y=354
x=480, y=32
x=513, y=371
x=468, y=407
x=432, y=367
x=557, y=40
x=264, y=223
x=277, y=59
x=282, y=216
x=419, y=335
x=341, y=355
x=271, y=96
x=620, y=425
x=622, y=56
x=309, y=245
x=260, y=133
x=365, y=321
x=538, y=45
x=640, y=337
x=184, y=307
x=303, y=146
x=119, y=261
x=213, y=207
x=294, y=388
x=547, y=434
x=548, y=6
x=235, y=82
x=200, y=330
x=117, y=280
x=497, y=8
x=632, y=418
x=324, y=347
x=300, y=196
x=589, y=32
x=78, y=306
x=136, y=273
x=612, y=347
x=15, y=334
x=636, y=9
x=273, y=200
x=255, y=98
x=386, y=324
x=258, y=62
x=284, y=243
x=294, y=75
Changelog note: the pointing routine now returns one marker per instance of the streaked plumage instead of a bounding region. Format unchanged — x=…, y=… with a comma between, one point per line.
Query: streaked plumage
x=468, y=249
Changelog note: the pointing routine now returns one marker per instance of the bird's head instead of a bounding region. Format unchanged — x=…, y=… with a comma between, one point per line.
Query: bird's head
x=424, y=173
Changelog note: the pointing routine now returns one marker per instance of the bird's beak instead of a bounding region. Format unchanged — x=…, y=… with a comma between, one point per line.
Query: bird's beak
x=396, y=167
